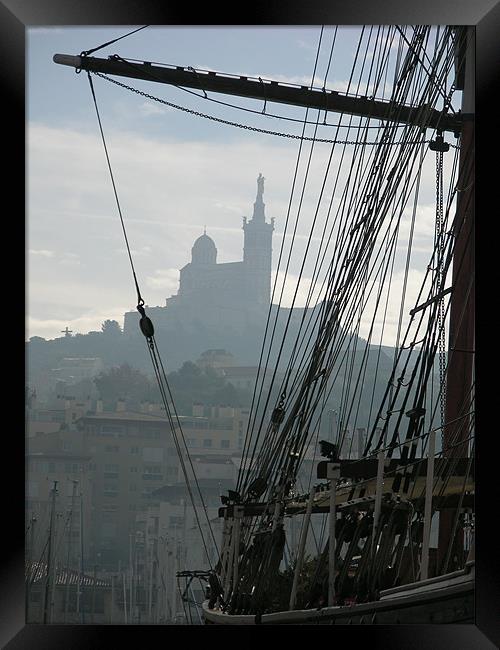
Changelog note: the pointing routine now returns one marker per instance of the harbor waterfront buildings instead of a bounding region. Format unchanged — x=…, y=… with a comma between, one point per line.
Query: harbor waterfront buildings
x=112, y=472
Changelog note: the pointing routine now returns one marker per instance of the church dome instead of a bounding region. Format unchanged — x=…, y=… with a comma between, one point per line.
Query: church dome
x=204, y=250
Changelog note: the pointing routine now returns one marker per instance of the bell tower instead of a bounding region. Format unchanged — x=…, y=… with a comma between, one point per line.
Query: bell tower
x=257, y=251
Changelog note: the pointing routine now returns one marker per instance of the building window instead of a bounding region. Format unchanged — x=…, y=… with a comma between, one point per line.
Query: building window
x=152, y=469
x=108, y=530
x=110, y=491
x=207, y=442
x=111, y=470
x=112, y=448
x=133, y=469
x=111, y=429
x=152, y=454
x=152, y=472
x=134, y=450
x=225, y=444
x=176, y=521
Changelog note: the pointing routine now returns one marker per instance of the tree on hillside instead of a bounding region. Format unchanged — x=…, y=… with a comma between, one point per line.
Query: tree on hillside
x=111, y=328
x=125, y=382
x=191, y=385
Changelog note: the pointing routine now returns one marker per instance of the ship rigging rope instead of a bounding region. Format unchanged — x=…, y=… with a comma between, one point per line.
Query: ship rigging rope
x=435, y=290
x=294, y=383
x=100, y=47
x=383, y=69
x=248, y=460
x=347, y=280
x=158, y=366
x=320, y=258
x=430, y=73
x=458, y=513
x=435, y=261
x=441, y=259
x=284, y=387
x=447, y=463
x=310, y=291
x=254, y=408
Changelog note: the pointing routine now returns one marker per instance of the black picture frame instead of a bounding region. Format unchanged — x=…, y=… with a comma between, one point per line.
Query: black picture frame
x=18, y=15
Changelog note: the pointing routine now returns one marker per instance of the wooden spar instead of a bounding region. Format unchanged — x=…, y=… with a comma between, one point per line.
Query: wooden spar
x=349, y=494
x=225, y=547
x=238, y=515
x=462, y=307
x=229, y=562
x=302, y=546
x=378, y=490
x=424, y=563
x=440, y=296
x=269, y=91
x=333, y=475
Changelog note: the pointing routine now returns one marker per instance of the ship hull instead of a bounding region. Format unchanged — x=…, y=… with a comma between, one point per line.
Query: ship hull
x=447, y=599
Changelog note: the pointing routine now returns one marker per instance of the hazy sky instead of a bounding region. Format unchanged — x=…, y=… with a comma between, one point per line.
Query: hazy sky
x=175, y=173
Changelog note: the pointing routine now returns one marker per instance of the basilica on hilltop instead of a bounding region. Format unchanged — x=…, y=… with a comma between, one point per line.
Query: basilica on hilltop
x=229, y=297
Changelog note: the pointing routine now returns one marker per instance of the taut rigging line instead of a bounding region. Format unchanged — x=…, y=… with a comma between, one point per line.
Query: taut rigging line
x=148, y=330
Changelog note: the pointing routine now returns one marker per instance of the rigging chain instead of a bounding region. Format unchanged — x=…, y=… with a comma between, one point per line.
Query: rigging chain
x=246, y=126
x=439, y=236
